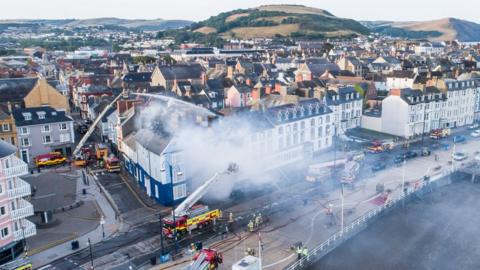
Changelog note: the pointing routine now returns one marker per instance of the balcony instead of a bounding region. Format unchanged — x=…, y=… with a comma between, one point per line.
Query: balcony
x=21, y=189
x=24, y=209
x=18, y=168
x=28, y=230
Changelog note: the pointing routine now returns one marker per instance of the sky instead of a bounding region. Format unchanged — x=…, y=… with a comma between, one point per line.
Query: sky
x=404, y=10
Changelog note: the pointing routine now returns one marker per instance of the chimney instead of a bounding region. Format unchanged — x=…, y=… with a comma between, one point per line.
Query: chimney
x=9, y=105
x=395, y=92
x=204, y=78
x=248, y=82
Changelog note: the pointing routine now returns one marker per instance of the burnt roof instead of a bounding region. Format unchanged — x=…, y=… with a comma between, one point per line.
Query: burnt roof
x=181, y=72
x=15, y=90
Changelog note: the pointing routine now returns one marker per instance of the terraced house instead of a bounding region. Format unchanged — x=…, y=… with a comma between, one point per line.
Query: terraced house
x=42, y=130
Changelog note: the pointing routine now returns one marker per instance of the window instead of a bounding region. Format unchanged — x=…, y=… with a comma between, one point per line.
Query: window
x=64, y=137
x=24, y=131
x=47, y=139
x=27, y=116
x=46, y=128
x=179, y=191
x=62, y=126
x=3, y=211
x=4, y=232
x=5, y=127
x=41, y=115
x=25, y=142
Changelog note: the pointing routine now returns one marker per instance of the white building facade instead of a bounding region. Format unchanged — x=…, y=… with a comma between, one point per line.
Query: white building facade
x=14, y=208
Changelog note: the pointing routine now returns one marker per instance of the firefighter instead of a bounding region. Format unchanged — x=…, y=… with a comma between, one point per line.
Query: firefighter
x=250, y=226
x=299, y=253
x=254, y=218
x=260, y=219
x=193, y=248
x=230, y=218
x=305, y=251
x=257, y=221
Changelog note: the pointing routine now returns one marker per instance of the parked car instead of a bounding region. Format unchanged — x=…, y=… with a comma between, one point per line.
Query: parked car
x=475, y=133
x=459, y=139
x=459, y=156
x=399, y=159
x=474, y=126
x=435, y=146
x=425, y=152
x=411, y=154
x=379, y=166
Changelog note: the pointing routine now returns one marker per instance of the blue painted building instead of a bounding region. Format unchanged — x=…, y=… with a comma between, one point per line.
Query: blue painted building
x=156, y=164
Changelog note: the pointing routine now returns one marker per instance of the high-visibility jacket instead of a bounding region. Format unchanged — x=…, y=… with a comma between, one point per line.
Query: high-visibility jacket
x=305, y=251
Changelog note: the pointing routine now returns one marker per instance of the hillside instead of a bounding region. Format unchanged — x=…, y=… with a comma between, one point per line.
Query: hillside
x=437, y=30
x=279, y=20
x=146, y=25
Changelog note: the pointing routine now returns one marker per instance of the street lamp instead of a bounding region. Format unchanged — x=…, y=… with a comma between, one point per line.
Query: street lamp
x=102, y=222
x=91, y=253
x=25, y=248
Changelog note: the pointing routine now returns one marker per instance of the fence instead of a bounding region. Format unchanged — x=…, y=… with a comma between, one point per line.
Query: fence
x=361, y=223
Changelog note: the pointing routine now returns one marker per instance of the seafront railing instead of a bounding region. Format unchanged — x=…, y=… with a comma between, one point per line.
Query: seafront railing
x=422, y=186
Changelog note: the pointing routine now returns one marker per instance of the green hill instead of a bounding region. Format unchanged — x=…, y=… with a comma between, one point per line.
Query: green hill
x=279, y=20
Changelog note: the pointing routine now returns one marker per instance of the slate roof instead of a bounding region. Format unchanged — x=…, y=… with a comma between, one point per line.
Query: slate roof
x=342, y=95
x=455, y=85
x=181, y=72
x=152, y=141
x=6, y=149
x=15, y=90
x=51, y=116
x=293, y=112
x=137, y=77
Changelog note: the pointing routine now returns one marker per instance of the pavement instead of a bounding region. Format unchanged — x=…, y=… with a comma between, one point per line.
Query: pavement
x=440, y=231
x=309, y=223
x=75, y=219
x=52, y=189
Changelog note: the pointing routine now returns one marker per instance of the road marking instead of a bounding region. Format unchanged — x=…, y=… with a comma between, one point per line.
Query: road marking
x=44, y=196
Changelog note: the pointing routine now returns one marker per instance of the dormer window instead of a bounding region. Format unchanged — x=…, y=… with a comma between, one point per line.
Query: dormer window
x=310, y=109
x=286, y=115
x=317, y=108
x=54, y=113
x=294, y=113
x=27, y=116
x=279, y=116
x=41, y=115
x=302, y=111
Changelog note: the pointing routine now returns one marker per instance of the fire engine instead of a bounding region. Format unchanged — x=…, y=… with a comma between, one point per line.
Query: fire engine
x=53, y=158
x=206, y=259
x=380, y=146
x=187, y=216
x=437, y=134
x=112, y=164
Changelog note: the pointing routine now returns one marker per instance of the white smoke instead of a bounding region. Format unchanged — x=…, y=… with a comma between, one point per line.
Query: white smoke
x=207, y=150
